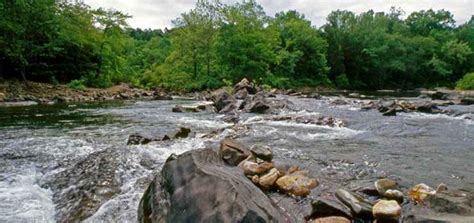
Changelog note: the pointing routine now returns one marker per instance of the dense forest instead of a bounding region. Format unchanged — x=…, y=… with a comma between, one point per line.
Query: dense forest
x=215, y=44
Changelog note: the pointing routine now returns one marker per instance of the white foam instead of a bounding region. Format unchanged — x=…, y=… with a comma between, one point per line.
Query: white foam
x=23, y=200
x=419, y=115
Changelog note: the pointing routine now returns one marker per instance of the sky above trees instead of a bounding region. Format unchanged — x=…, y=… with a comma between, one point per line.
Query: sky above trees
x=159, y=14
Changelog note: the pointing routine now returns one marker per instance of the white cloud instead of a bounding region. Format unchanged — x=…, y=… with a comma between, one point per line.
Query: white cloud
x=160, y=13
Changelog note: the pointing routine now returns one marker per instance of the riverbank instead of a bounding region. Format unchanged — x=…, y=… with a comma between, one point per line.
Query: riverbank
x=18, y=93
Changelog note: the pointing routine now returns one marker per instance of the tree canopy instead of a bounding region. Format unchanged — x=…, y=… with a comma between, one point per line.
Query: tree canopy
x=217, y=44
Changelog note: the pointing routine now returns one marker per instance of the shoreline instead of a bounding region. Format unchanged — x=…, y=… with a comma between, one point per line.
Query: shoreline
x=16, y=93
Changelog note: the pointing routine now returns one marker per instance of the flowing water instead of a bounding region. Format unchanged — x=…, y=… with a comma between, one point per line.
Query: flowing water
x=71, y=162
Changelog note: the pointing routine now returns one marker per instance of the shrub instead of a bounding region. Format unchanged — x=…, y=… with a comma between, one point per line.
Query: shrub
x=342, y=81
x=466, y=83
x=77, y=84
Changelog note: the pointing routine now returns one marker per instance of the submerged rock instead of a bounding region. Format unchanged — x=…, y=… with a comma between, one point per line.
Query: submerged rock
x=387, y=211
x=232, y=152
x=137, y=139
x=198, y=187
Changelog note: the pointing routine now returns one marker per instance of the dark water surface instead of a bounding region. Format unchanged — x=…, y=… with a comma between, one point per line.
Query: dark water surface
x=39, y=144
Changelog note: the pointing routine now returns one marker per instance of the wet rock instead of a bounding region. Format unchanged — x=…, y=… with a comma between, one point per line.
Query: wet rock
x=383, y=185
x=222, y=99
x=229, y=108
x=438, y=95
x=296, y=184
x=419, y=192
x=331, y=219
x=199, y=187
x=232, y=117
x=2, y=97
x=80, y=190
x=467, y=101
x=258, y=105
x=245, y=84
x=251, y=168
x=262, y=152
x=359, y=206
x=447, y=203
x=394, y=195
x=324, y=207
x=137, y=139
x=183, y=109
x=241, y=94
x=267, y=180
x=182, y=133
x=232, y=152
x=387, y=211
x=339, y=102
x=160, y=95
x=390, y=112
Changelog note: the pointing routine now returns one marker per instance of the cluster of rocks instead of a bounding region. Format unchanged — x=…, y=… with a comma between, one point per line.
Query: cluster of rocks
x=385, y=202
x=235, y=183
x=256, y=163
x=244, y=97
x=39, y=93
x=391, y=108
x=310, y=119
x=138, y=139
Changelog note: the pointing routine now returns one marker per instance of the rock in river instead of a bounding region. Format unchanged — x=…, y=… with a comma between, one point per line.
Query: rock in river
x=382, y=185
x=387, y=211
x=262, y=152
x=197, y=186
x=268, y=180
x=324, y=207
x=222, y=99
x=356, y=203
x=232, y=152
x=296, y=184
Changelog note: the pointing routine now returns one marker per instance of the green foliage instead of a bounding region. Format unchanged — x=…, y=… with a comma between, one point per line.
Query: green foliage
x=466, y=83
x=217, y=44
x=77, y=84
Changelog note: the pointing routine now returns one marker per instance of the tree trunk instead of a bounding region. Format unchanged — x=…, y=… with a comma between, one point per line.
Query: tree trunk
x=23, y=75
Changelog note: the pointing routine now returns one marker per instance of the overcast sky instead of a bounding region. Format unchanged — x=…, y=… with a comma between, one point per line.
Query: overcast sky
x=157, y=14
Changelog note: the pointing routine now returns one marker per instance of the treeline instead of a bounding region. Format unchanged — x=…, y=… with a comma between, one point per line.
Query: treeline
x=215, y=44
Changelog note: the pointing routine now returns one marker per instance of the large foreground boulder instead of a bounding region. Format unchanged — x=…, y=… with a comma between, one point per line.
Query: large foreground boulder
x=198, y=186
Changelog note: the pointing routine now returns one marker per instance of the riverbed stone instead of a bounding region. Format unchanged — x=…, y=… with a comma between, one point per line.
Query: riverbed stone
x=322, y=207
x=221, y=99
x=387, y=210
x=267, y=180
x=420, y=192
x=382, y=185
x=233, y=152
x=198, y=186
x=262, y=152
x=182, y=132
x=359, y=206
x=137, y=139
x=241, y=94
x=394, y=195
x=251, y=168
x=246, y=85
x=331, y=219
x=296, y=184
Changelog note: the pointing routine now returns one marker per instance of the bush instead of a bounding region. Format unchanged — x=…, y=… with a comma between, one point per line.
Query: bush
x=77, y=84
x=342, y=81
x=466, y=83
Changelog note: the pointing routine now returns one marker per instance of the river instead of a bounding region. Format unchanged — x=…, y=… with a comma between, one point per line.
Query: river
x=71, y=162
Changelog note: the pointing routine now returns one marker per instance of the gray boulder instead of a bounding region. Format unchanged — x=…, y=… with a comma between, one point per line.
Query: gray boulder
x=198, y=186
